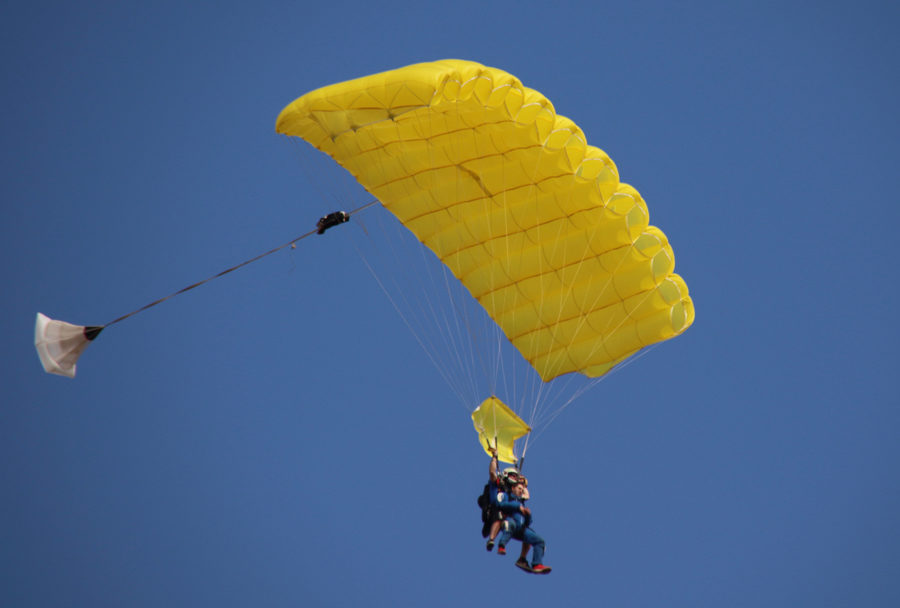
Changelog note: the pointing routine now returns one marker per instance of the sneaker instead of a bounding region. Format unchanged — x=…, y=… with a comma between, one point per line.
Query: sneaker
x=490, y=545
x=523, y=564
x=501, y=550
x=540, y=569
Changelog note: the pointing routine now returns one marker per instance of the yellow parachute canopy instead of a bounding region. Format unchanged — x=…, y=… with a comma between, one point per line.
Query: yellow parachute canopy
x=498, y=426
x=509, y=195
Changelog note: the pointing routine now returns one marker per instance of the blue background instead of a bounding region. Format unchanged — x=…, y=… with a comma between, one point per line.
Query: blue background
x=277, y=437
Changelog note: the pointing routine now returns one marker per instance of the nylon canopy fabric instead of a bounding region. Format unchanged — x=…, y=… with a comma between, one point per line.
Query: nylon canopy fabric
x=498, y=426
x=510, y=196
x=59, y=344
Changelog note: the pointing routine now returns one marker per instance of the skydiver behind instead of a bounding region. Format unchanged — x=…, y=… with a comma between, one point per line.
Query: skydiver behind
x=493, y=517
x=517, y=524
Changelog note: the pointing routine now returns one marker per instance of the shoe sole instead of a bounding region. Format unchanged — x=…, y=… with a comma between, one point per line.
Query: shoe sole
x=528, y=568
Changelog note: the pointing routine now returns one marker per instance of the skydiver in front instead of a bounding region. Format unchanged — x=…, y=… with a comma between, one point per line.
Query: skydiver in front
x=517, y=524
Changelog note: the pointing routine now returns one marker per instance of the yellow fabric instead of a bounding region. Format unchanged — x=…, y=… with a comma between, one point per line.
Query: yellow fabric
x=510, y=196
x=498, y=426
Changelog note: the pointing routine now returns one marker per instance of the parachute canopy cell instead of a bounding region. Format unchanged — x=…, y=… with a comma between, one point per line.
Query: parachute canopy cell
x=498, y=426
x=509, y=195
x=59, y=344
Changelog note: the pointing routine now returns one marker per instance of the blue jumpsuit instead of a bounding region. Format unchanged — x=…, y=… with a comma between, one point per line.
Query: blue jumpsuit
x=516, y=525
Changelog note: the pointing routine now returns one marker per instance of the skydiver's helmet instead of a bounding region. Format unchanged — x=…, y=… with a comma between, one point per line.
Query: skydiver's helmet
x=511, y=477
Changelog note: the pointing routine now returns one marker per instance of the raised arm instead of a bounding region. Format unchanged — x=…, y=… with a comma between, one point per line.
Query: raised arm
x=492, y=470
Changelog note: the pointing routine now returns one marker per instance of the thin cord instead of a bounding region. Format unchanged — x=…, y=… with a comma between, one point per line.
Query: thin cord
x=224, y=272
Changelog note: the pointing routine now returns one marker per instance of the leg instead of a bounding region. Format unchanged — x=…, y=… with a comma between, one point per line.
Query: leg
x=495, y=529
x=537, y=542
x=509, y=528
x=522, y=562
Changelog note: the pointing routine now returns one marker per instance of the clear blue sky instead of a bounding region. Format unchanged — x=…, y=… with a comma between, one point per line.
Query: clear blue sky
x=277, y=438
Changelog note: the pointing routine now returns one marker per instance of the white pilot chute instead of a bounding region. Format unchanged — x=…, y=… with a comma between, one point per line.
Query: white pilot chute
x=59, y=344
